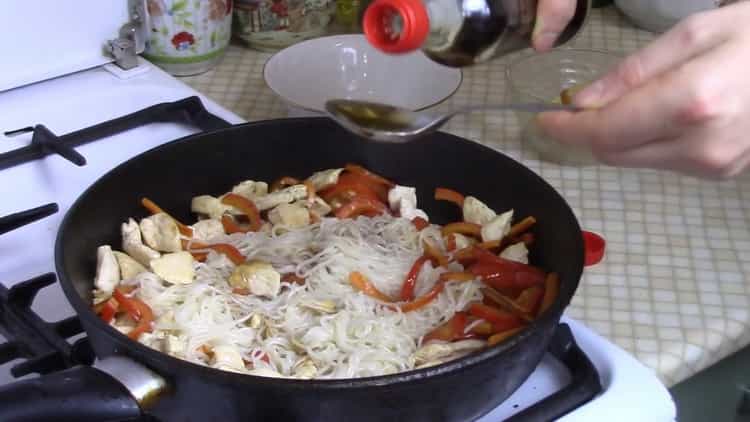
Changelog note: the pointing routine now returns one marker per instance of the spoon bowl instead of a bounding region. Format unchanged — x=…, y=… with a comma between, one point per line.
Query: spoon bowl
x=386, y=123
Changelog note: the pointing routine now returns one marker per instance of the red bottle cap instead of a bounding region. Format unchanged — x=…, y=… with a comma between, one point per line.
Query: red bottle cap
x=380, y=29
x=594, y=248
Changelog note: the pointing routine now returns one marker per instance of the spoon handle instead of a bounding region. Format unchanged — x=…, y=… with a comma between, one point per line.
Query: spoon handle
x=524, y=107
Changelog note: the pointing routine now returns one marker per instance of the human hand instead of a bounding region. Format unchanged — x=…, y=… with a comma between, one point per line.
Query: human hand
x=682, y=103
x=552, y=16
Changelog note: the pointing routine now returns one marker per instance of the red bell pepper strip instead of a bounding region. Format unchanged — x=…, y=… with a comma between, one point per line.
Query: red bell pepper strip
x=292, y=278
x=445, y=194
x=451, y=330
x=374, y=178
x=359, y=206
x=407, y=290
x=228, y=250
x=361, y=283
x=499, y=319
x=155, y=209
x=247, y=207
x=108, y=309
x=138, y=310
x=420, y=223
x=231, y=226
x=551, y=289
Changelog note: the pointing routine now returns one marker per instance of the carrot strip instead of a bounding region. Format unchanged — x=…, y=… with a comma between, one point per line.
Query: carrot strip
x=457, y=276
x=199, y=256
x=310, y=190
x=155, y=209
x=228, y=250
x=445, y=194
x=505, y=303
x=244, y=291
x=231, y=226
x=423, y=300
x=361, y=283
x=469, y=229
x=497, y=338
x=520, y=227
x=551, y=289
x=435, y=255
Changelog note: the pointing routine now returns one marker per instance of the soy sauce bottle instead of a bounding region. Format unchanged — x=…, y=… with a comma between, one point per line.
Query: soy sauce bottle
x=458, y=33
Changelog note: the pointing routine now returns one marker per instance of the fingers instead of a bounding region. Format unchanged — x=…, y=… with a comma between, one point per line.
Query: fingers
x=551, y=19
x=690, y=38
x=662, y=108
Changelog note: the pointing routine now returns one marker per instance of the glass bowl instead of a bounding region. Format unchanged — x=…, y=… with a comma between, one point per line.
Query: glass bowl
x=541, y=77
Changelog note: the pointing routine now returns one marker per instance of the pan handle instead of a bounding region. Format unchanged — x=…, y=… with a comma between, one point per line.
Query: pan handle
x=114, y=390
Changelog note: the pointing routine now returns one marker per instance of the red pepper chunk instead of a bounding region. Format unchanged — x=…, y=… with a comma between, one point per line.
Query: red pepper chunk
x=247, y=207
x=108, y=310
x=500, y=320
x=451, y=330
x=420, y=223
x=138, y=310
x=361, y=206
x=368, y=175
x=407, y=290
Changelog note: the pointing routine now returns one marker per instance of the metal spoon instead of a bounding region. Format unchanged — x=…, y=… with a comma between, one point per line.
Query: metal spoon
x=386, y=123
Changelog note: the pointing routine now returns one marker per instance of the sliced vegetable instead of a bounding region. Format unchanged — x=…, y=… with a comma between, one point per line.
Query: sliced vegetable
x=138, y=311
x=457, y=276
x=434, y=254
x=420, y=223
x=361, y=283
x=407, y=290
x=504, y=273
x=497, y=338
x=108, y=309
x=497, y=299
x=155, y=209
x=367, y=174
x=469, y=229
x=445, y=194
x=310, y=190
x=520, y=227
x=450, y=242
x=423, y=300
x=348, y=188
x=247, y=207
x=500, y=320
x=228, y=250
x=551, y=289
x=451, y=330
x=530, y=299
x=283, y=182
x=361, y=206
x=232, y=226
x=292, y=278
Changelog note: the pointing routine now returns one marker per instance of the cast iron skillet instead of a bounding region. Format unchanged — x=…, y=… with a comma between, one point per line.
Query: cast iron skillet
x=211, y=163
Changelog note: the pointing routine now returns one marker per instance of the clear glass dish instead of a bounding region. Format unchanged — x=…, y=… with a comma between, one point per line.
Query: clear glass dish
x=541, y=77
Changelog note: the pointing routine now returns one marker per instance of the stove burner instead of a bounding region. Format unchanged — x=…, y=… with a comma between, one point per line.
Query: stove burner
x=14, y=221
x=189, y=110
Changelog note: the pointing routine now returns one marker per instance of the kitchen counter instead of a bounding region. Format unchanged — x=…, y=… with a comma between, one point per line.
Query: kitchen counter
x=672, y=289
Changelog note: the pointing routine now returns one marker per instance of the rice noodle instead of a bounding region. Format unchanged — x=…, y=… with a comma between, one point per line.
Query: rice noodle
x=362, y=337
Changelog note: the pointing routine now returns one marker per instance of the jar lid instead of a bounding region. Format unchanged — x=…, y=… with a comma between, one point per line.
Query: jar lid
x=396, y=26
x=593, y=247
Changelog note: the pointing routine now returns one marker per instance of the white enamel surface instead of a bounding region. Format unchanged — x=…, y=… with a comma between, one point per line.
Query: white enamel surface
x=308, y=74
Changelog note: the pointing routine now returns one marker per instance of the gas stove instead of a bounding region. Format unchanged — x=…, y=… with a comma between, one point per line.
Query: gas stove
x=57, y=136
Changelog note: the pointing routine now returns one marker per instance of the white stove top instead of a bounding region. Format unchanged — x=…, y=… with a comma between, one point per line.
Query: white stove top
x=631, y=391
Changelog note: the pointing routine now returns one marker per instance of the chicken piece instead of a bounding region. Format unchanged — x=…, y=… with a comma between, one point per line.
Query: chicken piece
x=325, y=178
x=205, y=230
x=324, y=306
x=265, y=372
x=259, y=277
x=107, y=270
x=463, y=241
x=175, y=345
x=475, y=211
x=251, y=189
x=160, y=233
x=133, y=245
x=227, y=358
x=440, y=351
x=210, y=206
x=175, y=268
x=290, y=215
x=404, y=200
x=319, y=207
x=516, y=252
x=305, y=369
x=255, y=321
x=129, y=267
x=498, y=227
x=283, y=196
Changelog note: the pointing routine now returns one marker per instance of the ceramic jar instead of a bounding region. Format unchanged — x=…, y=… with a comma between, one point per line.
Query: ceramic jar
x=188, y=37
x=270, y=25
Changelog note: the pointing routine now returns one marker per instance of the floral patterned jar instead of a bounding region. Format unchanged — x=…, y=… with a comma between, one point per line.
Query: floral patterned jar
x=270, y=25
x=188, y=37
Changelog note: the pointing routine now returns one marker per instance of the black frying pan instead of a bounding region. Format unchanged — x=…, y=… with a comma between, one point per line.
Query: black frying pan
x=211, y=163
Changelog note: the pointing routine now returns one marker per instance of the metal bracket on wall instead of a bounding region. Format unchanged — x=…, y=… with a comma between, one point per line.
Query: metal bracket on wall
x=131, y=40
